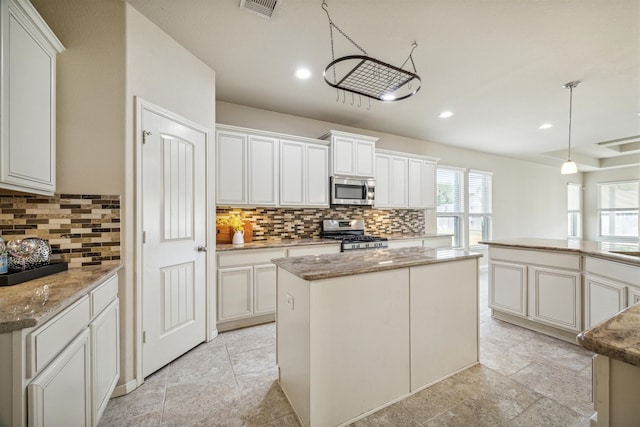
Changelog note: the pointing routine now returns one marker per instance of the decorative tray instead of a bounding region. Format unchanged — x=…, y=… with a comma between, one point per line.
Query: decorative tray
x=34, y=273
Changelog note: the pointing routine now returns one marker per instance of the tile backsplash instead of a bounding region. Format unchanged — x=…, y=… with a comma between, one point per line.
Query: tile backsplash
x=81, y=229
x=280, y=223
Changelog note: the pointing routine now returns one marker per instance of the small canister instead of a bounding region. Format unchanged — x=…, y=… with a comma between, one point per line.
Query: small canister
x=4, y=261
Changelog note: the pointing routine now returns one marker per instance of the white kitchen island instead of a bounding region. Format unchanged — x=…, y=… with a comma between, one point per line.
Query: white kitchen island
x=359, y=331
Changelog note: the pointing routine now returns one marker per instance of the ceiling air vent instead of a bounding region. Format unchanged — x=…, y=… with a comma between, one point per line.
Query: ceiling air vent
x=264, y=8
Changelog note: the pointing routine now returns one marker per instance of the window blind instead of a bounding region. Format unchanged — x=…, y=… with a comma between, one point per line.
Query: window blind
x=450, y=190
x=479, y=192
x=620, y=195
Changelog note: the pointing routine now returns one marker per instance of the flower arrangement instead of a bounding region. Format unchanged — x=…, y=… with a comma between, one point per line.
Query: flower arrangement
x=233, y=221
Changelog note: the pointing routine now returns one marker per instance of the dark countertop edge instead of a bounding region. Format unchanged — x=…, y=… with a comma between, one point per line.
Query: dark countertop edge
x=460, y=255
x=621, y=258
x=591, y=338
x=9, y=326
x=276, y=243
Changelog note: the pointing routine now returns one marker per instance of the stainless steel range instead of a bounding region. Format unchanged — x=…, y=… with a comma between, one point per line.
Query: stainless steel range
x=351, y=233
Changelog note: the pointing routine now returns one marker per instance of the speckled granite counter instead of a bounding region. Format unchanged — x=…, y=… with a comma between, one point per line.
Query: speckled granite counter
x=30, y=303
x=597, y=249
x=618, y=337
x=275, y=243
x=358, y=262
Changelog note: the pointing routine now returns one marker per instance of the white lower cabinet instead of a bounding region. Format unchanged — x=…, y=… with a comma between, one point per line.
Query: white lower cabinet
x=247, y=283
x=508, y=287
x=633, y=296
x=602, y=299
x=555, y=298
x=61, y=394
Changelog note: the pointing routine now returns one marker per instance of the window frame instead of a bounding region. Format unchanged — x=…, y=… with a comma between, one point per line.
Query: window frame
x=574, y=212
x=458, y=215
x=601, y=210
x=487, y=215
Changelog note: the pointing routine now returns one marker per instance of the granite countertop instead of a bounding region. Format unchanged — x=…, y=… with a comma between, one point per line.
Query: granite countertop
x=586, y=247
x=280, y=243
x=369, y=261
x=31, y=303
x=618, y=337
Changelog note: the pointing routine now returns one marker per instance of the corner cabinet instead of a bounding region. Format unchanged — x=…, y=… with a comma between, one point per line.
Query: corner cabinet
x=28, y=50
x=351, y=154
x=405, y=181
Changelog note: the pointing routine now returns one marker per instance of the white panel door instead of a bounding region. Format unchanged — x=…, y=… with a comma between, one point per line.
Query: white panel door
x=317, y=176
x=365, y=156
x=398, y=182
x=508, y=287
x=231, y=184
x=603, y=299
x=263, y=171
x=291, y=173
x=174, y=208
x=555, y=298
x=264, y=289
x=383, y=181
x=343, y=156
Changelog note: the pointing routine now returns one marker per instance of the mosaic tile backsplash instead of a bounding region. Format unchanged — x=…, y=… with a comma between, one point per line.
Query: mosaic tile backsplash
x=81, y=229
x=279, y=223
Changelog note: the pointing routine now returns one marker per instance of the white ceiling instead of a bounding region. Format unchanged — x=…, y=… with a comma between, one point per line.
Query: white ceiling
x=499, y=65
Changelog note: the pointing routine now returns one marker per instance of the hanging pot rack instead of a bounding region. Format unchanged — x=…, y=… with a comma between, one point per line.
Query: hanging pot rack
x=366, y=76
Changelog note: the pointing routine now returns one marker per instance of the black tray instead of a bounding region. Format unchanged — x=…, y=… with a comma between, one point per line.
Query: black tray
x=22, y=276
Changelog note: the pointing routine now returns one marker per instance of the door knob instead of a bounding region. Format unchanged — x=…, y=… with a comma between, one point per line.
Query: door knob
x=202, y=249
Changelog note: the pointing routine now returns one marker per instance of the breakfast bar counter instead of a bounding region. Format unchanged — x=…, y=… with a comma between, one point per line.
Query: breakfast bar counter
x=358, y=331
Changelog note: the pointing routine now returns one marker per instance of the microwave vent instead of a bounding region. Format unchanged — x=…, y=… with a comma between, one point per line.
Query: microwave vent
x=264, y=8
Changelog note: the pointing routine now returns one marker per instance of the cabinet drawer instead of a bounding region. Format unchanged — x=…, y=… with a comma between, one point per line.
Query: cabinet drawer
x=103, y=295
x=613, y=270
x=249, y=257
x=314, y=250
x=47, y=341
x=437, y=242
x=531, y=257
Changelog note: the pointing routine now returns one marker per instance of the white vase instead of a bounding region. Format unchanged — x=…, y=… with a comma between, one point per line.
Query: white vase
x=238, y=238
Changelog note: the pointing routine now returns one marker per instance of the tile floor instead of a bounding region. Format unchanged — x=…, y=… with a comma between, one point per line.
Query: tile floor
x=524, y=379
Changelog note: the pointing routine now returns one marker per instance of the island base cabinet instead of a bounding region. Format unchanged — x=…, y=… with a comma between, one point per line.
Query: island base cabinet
x=615, y=393
x=443, y=340
x=61, y=394
x=556, y=298
x=508, y=288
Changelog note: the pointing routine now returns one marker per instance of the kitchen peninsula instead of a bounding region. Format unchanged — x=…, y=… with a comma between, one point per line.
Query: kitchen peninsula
x=359, y=331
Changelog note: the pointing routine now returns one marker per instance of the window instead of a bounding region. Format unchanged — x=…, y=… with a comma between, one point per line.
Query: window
x=450, y=212
x=574, y=201
x=464, y=205
x=479, y=207
x=618, y=207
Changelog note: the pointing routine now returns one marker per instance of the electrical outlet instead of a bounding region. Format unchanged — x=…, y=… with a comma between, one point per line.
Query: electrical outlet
x=290, y=301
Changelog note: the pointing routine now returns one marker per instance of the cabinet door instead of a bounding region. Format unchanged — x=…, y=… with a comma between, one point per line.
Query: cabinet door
x=317, y=175
x=264, y=289
x=634, y=296
x=383, y=181
x=231, y=170
x=105, y=358
x=398, y=182
x=28, y=150
x=603, y=299
x=263, y=167
x=61, y=394
x=235, y=293
x=343, y=152
x=555, y=298
x=416, y=184
x=292, y=173
x=365, y=158
x=508, y=288
x=429, y=184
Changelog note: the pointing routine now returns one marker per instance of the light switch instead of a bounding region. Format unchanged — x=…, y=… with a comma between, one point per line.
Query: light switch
x=290, y=301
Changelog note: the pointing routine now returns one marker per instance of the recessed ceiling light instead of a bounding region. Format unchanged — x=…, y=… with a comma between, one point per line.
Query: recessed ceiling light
x=546, y=126
x=388, y=97
x=303, y=73
x=445, y=114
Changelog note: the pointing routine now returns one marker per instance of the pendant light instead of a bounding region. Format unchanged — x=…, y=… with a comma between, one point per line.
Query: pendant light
x=569, y=167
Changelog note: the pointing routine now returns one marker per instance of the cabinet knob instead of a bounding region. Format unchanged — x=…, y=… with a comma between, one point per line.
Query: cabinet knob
x=202, y=249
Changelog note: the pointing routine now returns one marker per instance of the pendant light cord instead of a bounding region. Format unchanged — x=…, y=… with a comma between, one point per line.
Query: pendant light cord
x=570, y=111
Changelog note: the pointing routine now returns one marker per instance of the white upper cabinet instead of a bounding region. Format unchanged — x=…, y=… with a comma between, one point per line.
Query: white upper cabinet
x=28, y=96
x=259, y=168
x=246, y=168
x=351, y=154
x=404, y=181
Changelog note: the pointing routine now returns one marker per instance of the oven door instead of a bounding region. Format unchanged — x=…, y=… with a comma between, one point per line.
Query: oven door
x=352, y=191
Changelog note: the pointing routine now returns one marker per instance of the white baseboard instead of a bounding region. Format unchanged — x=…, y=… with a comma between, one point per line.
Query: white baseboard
x=123, y=389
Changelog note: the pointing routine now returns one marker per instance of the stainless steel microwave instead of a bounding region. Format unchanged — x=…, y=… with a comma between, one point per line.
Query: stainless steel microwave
x=352, y=191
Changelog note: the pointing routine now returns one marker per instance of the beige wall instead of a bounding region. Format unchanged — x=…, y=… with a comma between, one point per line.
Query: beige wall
x=590, y=193
x=529, y=199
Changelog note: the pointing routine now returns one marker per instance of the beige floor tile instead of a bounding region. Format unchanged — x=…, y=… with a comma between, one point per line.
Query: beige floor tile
x=546, y=412
x=394, y=415
x=470, y=413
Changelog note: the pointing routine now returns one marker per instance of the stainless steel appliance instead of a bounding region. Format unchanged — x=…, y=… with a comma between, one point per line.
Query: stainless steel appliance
x=352, y=191
x=351, y=233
